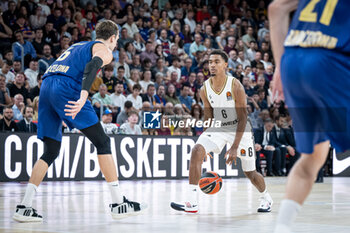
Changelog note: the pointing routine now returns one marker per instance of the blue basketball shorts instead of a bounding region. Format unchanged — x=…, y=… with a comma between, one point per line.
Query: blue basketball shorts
x=55, y=92
x=316, y=85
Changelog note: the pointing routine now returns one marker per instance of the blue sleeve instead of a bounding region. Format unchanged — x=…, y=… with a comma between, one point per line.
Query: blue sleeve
x=32, y=50
x=16, y=52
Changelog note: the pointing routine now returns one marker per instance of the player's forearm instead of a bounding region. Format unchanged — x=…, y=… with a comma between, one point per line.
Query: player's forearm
x=279, y=11
x=241, y=125
x=84, y=94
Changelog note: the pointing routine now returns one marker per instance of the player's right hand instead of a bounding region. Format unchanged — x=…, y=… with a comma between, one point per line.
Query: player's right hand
x=231, y=156
x=206, y=157
x=74, y=107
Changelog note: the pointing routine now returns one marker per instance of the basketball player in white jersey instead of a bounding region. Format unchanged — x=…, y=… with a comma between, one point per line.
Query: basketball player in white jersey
x=224, y=99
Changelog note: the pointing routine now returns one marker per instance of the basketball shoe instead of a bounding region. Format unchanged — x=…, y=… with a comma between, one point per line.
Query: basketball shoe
x=126, y=209
x=188, y=207
x=26, y=214
x=265, y=203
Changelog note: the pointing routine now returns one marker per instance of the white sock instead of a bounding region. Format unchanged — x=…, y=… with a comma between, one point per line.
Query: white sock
x=29, y=195
x=192, y=194
x=287, y=214
x=117, y=196
x=263, y=193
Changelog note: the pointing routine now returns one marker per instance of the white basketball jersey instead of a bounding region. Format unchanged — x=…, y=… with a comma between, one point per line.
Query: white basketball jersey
x=224, y=105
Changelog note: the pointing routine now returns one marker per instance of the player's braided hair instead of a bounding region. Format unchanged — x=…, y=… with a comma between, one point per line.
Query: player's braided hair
x=106, y=29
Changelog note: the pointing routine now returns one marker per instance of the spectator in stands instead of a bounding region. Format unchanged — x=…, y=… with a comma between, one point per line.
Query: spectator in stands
x=28, y=47
x=175, y=67
x=35, y=91
x=149, y=53
x=21, y=25
x=118, y=99
x=138, y=43
x=256, y=60
x=50, y=34
x=63, y=45
x=160, y=96
x=149, y=95
x=108, y=79
x=8, y=54
x=47, y=59
x=160, y=80
x=122, y=62
x=265, y=143
x=283, y=137
x=18, y=107
x=7, y=123
x=38, y=19
x=266, y=60
x=146, y=81
x=247, y=38
x=188, y=68
x=131, y=126
x=185, y=99
x=171, y=96
x=253, y=113
x=263, y=31
x=38, y=42
x=5, y=70
x=26, y=124
x=191, y=82
x=5, y=99
x=196, y=45
x=130, y=26
x=136, y=63
x=101, y=99
x=232, y=61
x=135, y=97
x=164, y=41
x=242, y=59
x=124, y=38
x=17, y=67
x=123, y=115
x=231, y=42
x=160, y=67
x=10, y=15
x=5, y=35
x=106, y=122
x=18, y=87
x=247, y=88
x=268, y=74
x=56, y=18
x=32, y=73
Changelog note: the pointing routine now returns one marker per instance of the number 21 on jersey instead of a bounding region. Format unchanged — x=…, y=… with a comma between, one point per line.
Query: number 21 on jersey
x=308, y=14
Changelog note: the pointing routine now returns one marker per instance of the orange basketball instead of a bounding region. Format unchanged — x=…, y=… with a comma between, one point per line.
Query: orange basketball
x=210, y=182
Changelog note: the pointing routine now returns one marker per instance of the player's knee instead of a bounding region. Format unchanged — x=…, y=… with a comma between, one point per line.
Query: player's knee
x=51, y=150
x=98, y=138
x=198, y=152
x=103, y=145
x=250, y=175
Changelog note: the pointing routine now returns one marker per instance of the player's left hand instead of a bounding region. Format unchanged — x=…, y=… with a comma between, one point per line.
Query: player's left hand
x=277, y=89
x=231, y=156
x=74, y=107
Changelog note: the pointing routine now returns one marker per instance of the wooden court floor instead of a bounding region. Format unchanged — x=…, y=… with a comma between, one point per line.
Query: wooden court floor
x=83, y=207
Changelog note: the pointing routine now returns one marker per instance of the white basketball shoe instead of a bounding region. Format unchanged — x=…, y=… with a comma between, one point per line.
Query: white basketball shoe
x=26, y=214
x=126, y=209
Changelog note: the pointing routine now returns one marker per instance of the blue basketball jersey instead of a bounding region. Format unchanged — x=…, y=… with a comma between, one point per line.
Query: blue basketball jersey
x=72, y=62
x=322, y=24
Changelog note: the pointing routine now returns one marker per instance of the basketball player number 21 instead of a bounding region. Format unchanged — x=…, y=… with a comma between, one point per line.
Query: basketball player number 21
x=307, y=14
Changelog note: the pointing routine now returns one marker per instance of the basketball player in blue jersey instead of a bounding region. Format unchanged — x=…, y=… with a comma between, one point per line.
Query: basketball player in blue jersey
x=313, y=64
x=63, y=96
x=224, y=100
